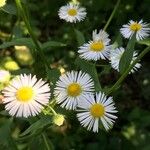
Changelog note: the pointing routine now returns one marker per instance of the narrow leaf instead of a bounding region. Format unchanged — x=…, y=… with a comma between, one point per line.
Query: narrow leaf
x=19, y=42
x=40, y=124
x=145, y=42
x=80, y=37
x=49, y=44
x=10, y=9
x=91, y=70
x=127, y=55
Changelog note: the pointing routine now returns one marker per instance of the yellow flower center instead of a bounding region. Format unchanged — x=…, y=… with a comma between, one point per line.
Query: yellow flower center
x=97, y=46
x=74, y=89
x=25, y=94
x=97, y=110
x=72, y=12
x=135, y=26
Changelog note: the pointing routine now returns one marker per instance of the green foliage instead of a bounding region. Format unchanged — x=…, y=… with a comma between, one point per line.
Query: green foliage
x=91, y=70
x=59, y=41
x=127, y=56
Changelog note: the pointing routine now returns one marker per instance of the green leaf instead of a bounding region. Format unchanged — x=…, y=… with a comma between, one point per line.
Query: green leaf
x=127, y=55
x=49, y=44
x=80, y=37
x=19, y=42
x=38, y=143
x=5, y=135
x=21, y=71
x=38, y=126
x=53, y=75
x=91, y=70
x=10, y=9
x=145, y=42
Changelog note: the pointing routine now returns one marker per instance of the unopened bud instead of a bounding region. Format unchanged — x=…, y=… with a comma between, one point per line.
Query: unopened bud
x=58, y=119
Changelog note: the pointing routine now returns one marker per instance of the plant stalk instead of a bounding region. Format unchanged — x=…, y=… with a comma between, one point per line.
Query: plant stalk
x=37, y=45
x=112, y=15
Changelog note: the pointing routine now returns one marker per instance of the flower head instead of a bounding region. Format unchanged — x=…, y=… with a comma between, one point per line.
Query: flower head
x=2, y=3
x=72, y=87
x=92, y=110
x=25, y=96
x=140, y=28
x=115, y=57
x=72, y=13
x=96, y=49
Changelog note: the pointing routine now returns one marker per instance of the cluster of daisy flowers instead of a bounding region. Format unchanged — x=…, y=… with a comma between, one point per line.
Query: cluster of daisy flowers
x=26, y=96
x=75, y=91
x=99, y=46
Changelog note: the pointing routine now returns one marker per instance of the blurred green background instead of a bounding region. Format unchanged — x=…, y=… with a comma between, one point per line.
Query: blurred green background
x=132, y=128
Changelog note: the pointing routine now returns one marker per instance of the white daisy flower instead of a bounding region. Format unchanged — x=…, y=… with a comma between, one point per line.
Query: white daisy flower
x=72, y=13
x=142, y=30
x=92, y=110
x=96, y=49
x=25, y=96
x=115, y=57
x=72, y=87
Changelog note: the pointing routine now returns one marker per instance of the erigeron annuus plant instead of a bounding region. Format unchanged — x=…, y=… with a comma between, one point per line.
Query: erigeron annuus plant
x=77, y=90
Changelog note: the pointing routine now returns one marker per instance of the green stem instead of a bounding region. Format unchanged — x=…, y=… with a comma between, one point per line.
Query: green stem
x=53, y=111
x=112, y=15
x=124, y=75
x=45, y=141
x=37, y=45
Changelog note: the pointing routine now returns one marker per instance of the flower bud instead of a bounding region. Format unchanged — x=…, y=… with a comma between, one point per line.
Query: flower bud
x=58, y=119
x=23, y=55
x=11, y=65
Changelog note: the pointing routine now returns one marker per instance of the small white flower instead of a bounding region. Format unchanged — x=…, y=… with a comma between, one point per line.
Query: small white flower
x=96, y=49
x=72, y=13
x=92, y=110
x=72, y=87
x=25, y=96
x=142, y=30
x=116, y=55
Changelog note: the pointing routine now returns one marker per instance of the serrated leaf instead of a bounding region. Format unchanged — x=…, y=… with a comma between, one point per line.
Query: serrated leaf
x=127, y=55
x=91, y=70
x=145, y=42
x=80, y=37
x=49, y=44
x=19, y=42
x=10, y=9
x=37, y=126
x=53, y=75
